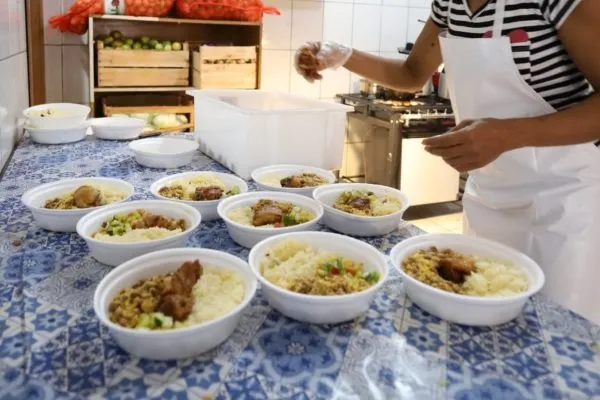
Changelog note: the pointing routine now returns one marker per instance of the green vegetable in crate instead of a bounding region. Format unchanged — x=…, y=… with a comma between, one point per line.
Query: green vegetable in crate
x=182, y=119
x=146, y=47
x=177, y=46
x=137, y=45
x=128, y=41
x=126, y=47
x=158, y=46
x=109, y=40
x=116, y=34
x=167, y=47
x=162, y=121
x=166, y=43
x=145, y=40
x=153, y=42
x=117, y=44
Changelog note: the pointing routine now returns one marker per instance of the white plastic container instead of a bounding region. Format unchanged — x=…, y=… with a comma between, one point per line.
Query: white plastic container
x=248, y=236
x=315, y=309
x=115, y=253
x=117, y=128
x=58, y=135
x=245, y=130
x=163, y=152
x=66, y=220
x=56, y=115
x=180, y=343
x=467, y=310
x=207, y=208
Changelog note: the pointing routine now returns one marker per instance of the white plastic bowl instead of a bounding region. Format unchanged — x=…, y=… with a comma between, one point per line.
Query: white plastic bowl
x=66, y=220
x=358, y=225
x=322, y=309
x=467, y=310
x=58, y=135
x=208, y=209
x=117, y=128
x=284, y=170
x=162, y=152
x=173, y=344
x=110, y=253
x=73, y=115
x=248, y=236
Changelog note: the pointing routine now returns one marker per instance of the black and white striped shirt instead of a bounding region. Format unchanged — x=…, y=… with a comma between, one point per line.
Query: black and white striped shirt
x=537, y=50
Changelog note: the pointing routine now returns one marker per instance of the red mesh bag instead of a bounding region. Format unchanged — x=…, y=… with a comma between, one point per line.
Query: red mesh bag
x=231, y=10
x=76, y=19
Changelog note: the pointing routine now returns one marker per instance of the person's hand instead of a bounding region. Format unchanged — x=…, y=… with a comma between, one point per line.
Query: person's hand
x=472, y=144
x=313, y=57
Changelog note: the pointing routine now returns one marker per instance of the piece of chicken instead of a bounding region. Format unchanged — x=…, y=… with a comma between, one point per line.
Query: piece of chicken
x=208, y=193
x=177, y=306
x=456, y=269
x=86, y=196
x=292, y=182
x=360, y=203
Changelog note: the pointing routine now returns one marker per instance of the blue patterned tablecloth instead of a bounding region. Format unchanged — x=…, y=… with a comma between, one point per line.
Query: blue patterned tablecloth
x=52, y=345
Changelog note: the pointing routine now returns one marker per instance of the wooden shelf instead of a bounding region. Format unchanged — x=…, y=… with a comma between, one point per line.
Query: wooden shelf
x=174, y=20
x=141, y=89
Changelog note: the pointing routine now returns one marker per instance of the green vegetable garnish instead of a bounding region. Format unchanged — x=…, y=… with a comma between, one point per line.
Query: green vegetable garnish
x=372, y=277
x=157, y=322
x=289, y=219
x=327, y=267
x=340, y=264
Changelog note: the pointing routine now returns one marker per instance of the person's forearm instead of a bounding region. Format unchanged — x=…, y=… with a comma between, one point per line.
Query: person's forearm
x=577, y=124
x=384, y=71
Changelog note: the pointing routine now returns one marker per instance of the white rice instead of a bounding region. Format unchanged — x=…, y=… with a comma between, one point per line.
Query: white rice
x=391, y=205
x=218, y=291
x=495, y=278
x=138, y=235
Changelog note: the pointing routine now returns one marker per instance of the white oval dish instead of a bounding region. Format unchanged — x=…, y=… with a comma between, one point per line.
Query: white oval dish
x=208, y=209
x=284, y=170
x=248, y=236
x=359, y=225
x=186, y=342
x=321, y=309
x=163, y=152
x=461, y=309
x=66, y=220
x=58, y=135
x=117, y=128
x=67, y=115
x=111, y=253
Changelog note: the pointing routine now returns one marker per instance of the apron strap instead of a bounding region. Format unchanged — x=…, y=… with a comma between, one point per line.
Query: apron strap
x=498, y=19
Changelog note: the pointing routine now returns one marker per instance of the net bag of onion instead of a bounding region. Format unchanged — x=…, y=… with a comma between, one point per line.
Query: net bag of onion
x=76, y=19
x=232, y=10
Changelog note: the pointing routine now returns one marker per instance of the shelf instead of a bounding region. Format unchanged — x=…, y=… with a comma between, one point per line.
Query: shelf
x=173, y=20
x=141, y=89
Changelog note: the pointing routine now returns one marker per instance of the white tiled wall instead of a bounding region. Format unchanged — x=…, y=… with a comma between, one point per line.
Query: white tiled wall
x=14, y=94
x=376, y=26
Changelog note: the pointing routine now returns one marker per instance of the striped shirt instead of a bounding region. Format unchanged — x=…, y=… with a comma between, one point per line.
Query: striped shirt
x=538, y=52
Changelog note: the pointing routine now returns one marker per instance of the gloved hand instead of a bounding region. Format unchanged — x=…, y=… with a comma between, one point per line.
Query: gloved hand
x=313, y=57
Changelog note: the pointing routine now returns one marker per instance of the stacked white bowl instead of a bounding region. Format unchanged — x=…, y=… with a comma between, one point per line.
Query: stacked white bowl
x=57, y=123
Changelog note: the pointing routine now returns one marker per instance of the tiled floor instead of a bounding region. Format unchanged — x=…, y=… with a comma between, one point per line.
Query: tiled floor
x=438, y=218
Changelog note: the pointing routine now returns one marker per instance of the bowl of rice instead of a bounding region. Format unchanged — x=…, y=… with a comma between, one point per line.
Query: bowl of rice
x=254, y=216
x=466, y=280
x=118, y=233
x=290, y=178
x=58, y=206
x=215, y=302
x=361, y=209
x=318, y=277
x=202, y=190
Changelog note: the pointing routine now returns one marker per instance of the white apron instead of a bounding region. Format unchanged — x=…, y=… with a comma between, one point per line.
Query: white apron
x=544, y=201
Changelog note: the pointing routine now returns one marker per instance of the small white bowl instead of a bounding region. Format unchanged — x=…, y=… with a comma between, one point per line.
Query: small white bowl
x=58, y=135
x=66, y=220
x=208, y=208
x=467, y=310
x=163, y=152
x=359, y=225
x=117, y=128
x=322, y=309
x=67, y=115
x=282, y=171
x=180, y=343
x=111, y=253
x=248, y=236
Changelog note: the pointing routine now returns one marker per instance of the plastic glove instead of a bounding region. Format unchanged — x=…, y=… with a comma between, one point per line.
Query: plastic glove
x=313, y=57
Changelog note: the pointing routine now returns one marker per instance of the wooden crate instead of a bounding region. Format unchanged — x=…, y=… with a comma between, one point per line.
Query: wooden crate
x=139, y=68
x=152, y=103
x=225, y=67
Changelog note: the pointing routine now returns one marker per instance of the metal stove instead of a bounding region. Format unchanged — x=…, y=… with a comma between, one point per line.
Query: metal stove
x=383, y=146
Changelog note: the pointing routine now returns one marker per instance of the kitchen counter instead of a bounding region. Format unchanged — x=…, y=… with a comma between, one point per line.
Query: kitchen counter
x=52, y=345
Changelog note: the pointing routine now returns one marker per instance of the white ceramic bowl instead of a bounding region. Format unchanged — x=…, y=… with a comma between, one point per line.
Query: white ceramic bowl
x=282, y=171
x=58, y=135
x=163, y=152
x=467, y=310
x=117, y=128
x=208, y=209
x=322, y=309
x=110, y=253
x=358, y=225
x=248, y=236
x=67, y=115
x=66, y=220
x=173, y=344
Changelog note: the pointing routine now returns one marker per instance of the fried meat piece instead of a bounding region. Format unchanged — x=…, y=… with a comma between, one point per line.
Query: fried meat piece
x=360, y=203
x=177, y=306
x=456, y=269
x=208, y=193
x=86, y=196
